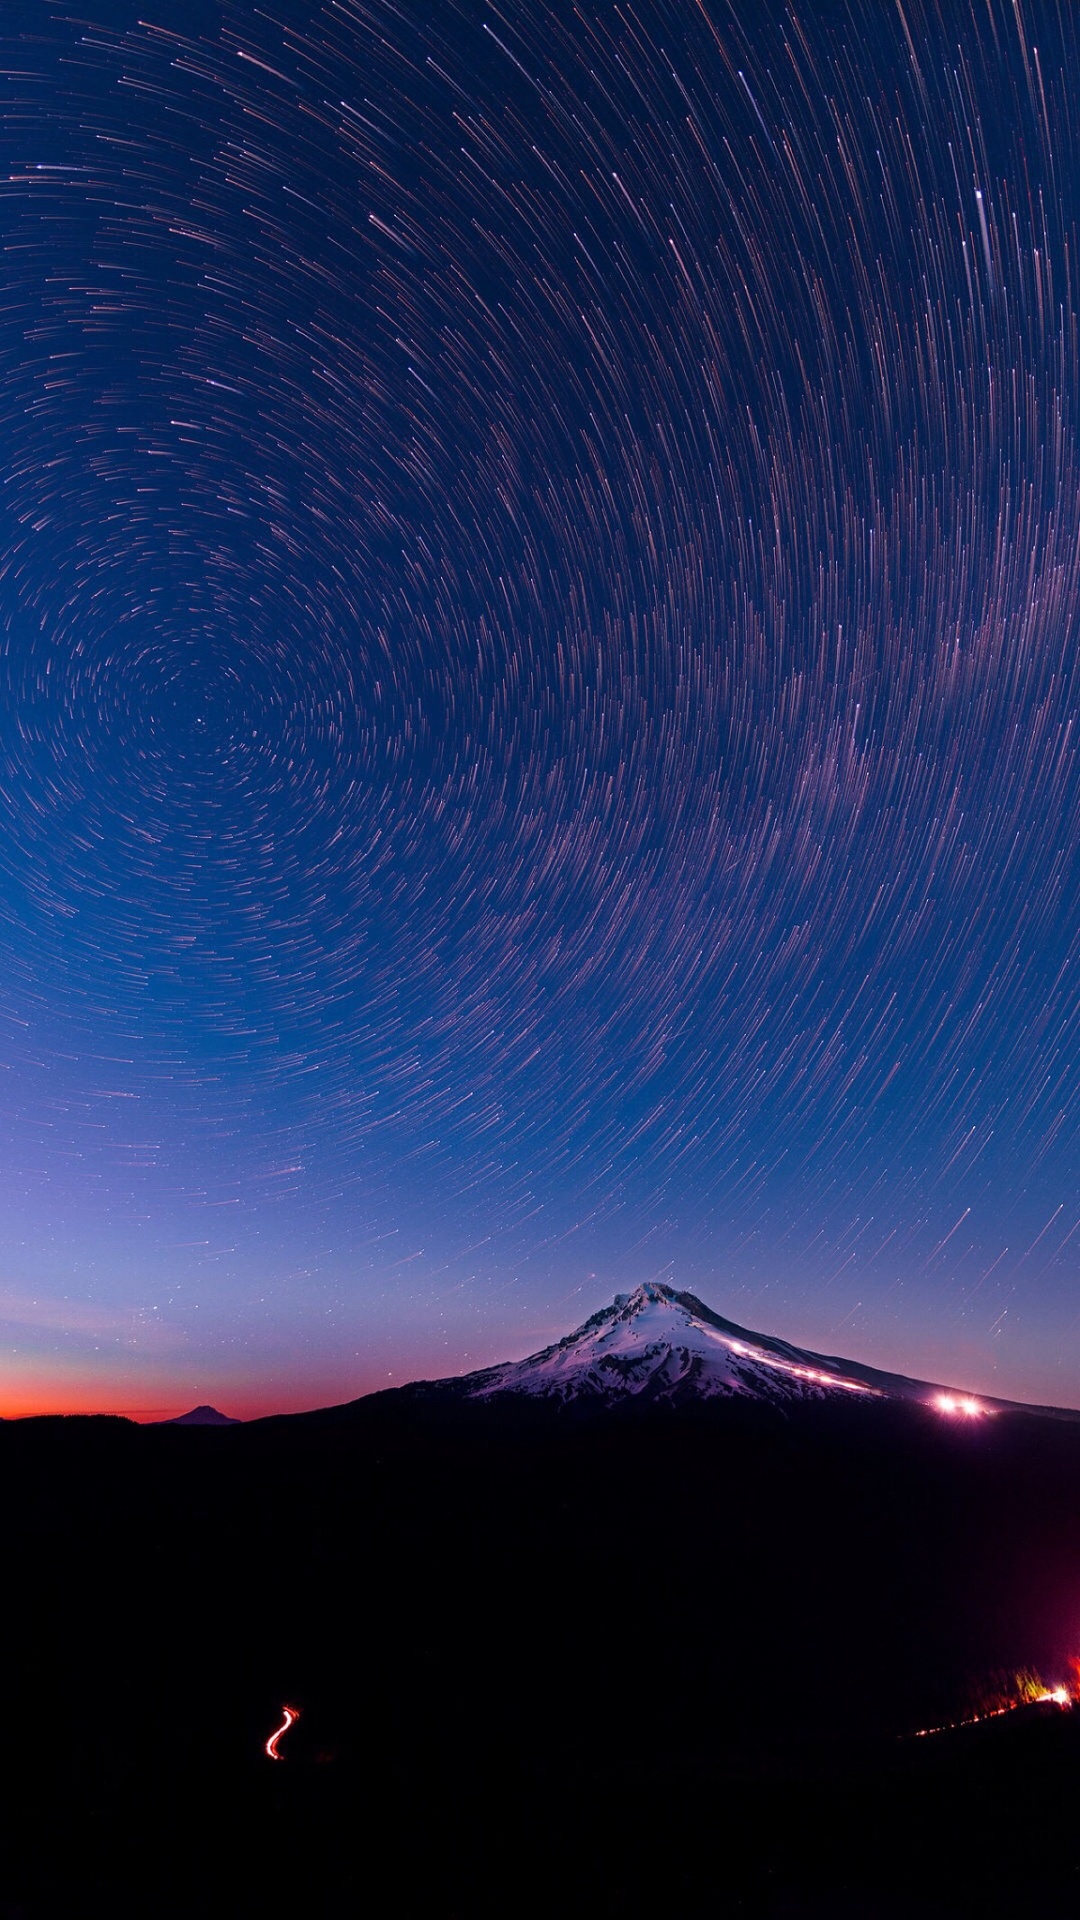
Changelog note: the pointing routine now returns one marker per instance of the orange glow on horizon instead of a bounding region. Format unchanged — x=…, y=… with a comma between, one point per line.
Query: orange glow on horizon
x=33, y=1386
x=163, y=1399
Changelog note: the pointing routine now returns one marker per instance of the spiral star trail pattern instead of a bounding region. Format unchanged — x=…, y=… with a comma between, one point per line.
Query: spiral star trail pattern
x=540, y=702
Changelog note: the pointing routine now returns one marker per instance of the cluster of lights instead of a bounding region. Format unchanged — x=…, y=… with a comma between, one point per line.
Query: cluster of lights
x=959, y=1403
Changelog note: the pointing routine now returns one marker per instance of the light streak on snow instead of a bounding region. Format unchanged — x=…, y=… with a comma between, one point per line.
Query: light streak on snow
x=292, y=1714
x=814, y=1374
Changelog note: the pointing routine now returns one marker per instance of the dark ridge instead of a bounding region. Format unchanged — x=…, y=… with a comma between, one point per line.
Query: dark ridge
x=501, y=1625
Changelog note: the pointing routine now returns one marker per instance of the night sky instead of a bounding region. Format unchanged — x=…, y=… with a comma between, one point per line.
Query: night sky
x=540, y=690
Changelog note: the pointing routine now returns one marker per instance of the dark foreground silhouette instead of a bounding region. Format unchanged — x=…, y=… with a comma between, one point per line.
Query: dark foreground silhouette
x=612, y=1663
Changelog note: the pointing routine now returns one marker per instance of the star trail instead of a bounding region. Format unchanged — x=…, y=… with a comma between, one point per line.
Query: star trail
x=539, y=695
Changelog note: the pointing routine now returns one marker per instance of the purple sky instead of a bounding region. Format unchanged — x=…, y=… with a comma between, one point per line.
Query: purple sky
x=540, y=705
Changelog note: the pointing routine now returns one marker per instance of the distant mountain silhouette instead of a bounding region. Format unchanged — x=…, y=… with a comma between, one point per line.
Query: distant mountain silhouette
x=202, y=1417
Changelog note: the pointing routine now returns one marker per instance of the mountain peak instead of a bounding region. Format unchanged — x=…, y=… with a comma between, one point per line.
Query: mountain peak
x=649, y=1293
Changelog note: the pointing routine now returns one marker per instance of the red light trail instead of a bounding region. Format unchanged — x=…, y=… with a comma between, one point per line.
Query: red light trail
x=271, y=1749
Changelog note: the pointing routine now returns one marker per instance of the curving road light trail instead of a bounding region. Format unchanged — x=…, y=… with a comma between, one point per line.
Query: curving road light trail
x=271, y=1749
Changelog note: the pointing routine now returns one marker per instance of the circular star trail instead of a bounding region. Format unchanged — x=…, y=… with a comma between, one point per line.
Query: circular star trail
x=540, y=704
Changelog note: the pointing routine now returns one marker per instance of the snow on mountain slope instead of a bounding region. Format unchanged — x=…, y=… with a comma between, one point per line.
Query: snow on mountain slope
x=658, y=1344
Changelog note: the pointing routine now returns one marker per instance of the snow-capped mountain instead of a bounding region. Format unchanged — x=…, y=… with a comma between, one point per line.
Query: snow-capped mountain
x=662, y=1345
